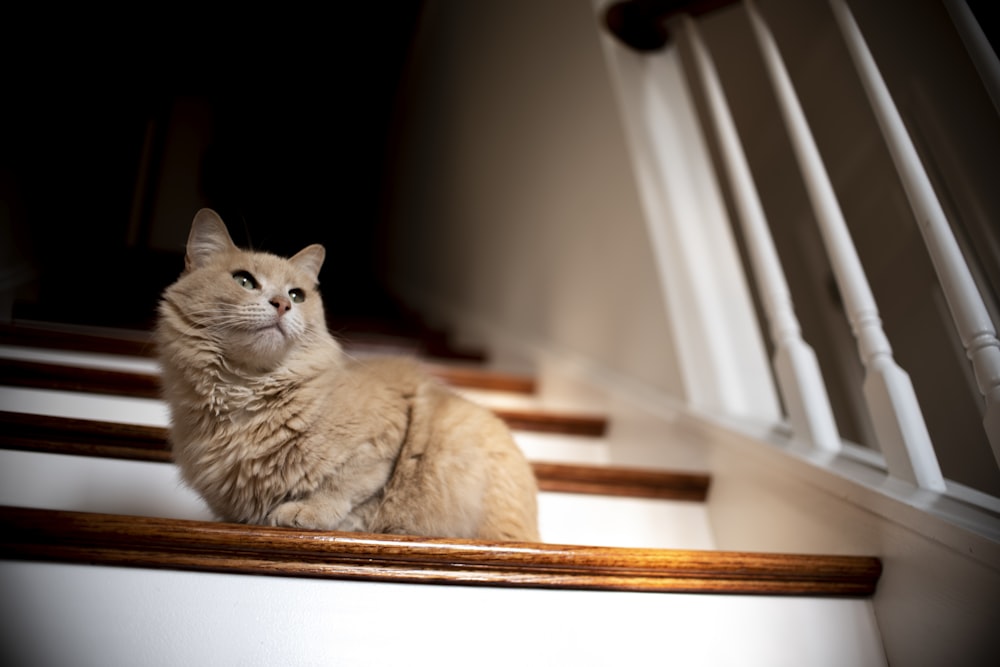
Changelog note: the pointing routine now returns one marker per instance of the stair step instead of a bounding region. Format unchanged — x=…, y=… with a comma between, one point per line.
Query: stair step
x=120, y=540
x=85, y=437
x=78, y=339
x=65, y=377
x=138, y=343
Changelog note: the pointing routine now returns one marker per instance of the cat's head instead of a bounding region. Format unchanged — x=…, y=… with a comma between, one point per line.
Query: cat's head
x=256, y=307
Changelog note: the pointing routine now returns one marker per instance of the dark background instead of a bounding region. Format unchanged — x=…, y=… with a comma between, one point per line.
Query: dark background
x=301, y=107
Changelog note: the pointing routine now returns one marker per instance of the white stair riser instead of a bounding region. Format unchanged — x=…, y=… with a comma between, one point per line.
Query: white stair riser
x=114, y=486
x=116, y=616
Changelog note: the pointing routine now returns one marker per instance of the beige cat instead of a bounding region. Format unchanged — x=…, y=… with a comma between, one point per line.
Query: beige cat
x=271, y=423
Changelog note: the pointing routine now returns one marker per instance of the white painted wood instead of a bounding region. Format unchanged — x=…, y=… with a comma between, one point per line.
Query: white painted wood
x=707, y=299
x=937, y=599
x=896, y=414
x=113, y=362
x=794, y=361
x=88, y=484
x=123, y=409
x=117, y=617
x=972, y=320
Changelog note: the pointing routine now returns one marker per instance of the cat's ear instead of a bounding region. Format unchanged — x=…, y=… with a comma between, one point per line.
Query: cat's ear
x=310, y=260
x=208, y=238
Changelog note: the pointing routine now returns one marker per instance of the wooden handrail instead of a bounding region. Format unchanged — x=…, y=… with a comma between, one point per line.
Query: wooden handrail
x=85, y=437
x=39, y=375
x=642, y=25
x=117, y=540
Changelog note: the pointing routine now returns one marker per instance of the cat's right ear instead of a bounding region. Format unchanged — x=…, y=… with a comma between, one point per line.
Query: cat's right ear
x=208, y=238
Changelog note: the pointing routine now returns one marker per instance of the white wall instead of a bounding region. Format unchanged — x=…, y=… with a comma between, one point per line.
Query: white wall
x=515, y=202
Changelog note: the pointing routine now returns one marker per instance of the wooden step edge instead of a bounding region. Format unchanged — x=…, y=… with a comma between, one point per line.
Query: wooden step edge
x=112, y=381
x=138, y=343
x=118, y=540
x=622, y=481
x=38, y=374
x=477, y=378
x=63, y=377
x=84, y=437
x=73, y=338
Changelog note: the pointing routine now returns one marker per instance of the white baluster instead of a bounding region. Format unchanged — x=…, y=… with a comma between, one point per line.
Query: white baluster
x=797, y=370
x=972, y=320
x=896, y=416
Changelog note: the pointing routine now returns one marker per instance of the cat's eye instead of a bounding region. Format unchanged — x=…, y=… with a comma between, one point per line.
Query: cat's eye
x=245, y=280
x=296, y=295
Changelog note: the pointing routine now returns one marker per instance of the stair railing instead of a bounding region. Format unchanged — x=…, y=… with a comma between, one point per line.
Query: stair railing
x=898, y=421
x=972, y=320
x=795, y=365
x=892, y=402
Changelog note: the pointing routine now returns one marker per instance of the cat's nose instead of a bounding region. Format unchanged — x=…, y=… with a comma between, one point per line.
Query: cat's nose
x=281, y=304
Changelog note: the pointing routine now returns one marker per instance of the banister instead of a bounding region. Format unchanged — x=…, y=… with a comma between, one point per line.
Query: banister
x=795, y=364
x=892, y=402
x=969, y=314
x=642, y=25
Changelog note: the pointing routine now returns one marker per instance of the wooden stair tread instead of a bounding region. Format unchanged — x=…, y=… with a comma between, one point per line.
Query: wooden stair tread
x=138, y=343
x=116, y=381
x=131, y=343
x=134, y=343
x=85, y=437
x=64, y=377
x=119, y=540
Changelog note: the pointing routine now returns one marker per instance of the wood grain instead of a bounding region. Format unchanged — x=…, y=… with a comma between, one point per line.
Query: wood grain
x=621, y=481
x=64, y=377
x=105, y=539
x=84, y=437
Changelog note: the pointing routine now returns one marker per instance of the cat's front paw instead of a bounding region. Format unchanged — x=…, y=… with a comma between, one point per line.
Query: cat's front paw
x=300, y=514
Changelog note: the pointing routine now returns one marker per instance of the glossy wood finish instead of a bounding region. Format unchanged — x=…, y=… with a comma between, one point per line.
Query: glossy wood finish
x=78, y=339
x=38, y=375
x=139, y=343
x=104, y=539
x=477, y=378
x=622, y=481
x=63, y=377
x=83, y=437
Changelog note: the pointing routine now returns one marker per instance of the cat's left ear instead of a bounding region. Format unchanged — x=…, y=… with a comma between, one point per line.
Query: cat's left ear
x=310, y=260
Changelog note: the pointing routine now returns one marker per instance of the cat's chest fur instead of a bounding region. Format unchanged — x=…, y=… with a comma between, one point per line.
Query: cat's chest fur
x=250, y=443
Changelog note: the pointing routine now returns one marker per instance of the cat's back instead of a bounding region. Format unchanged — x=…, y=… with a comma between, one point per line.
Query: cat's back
x=459, y=471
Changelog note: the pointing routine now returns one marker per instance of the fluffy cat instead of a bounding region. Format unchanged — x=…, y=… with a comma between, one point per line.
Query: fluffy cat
x=271, y=423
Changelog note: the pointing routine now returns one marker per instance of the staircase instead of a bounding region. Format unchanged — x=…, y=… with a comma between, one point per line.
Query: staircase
x=104, y=547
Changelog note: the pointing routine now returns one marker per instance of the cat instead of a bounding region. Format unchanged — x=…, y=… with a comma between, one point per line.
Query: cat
x=272, y=423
